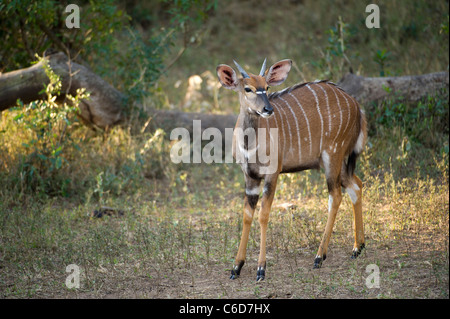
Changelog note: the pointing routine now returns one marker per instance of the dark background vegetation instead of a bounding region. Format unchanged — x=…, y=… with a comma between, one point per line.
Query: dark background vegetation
x=180, y=221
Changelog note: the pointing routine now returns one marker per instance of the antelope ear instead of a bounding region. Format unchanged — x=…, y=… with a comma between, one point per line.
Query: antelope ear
x=278, y=72
x=227, y=77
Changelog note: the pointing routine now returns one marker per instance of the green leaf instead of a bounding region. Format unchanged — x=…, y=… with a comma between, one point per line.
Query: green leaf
x=18, y=117
x=58, y=163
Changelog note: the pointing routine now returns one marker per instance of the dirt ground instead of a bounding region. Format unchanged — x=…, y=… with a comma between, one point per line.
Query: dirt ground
x=291, y=277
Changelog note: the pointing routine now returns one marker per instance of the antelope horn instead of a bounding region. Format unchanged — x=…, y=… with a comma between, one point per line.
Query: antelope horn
x=263, y=68
x=244, y=74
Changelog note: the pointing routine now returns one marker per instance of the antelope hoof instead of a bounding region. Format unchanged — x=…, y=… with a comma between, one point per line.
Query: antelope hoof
x=357, y=251
x=260, y=274
x=318, y=261
x=236, y=271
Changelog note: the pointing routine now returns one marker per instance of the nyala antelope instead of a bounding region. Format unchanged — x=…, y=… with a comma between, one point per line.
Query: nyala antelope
x=319, y=126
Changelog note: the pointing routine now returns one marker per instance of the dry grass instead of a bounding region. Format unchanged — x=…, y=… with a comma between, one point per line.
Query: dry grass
x=185, y=249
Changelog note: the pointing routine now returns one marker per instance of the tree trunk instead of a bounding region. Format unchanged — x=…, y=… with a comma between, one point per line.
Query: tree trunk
x=411, y=87
x=172, y=119
x=103, y=109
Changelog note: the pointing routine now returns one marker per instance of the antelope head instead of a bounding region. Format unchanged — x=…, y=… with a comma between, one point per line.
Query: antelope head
x=253, y=88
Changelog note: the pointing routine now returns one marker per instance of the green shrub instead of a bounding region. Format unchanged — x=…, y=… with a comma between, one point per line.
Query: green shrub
x=50, y=125
x=425, y=121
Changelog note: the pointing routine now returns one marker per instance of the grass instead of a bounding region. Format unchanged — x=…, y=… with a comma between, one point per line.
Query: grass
x=181, y=224
x=178, y=236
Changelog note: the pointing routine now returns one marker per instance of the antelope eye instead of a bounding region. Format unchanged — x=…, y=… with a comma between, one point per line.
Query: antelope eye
x=248, y=90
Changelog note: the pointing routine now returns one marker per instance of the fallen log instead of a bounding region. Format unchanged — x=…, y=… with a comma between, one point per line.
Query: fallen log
x=410, y=88
x=104, y=108
x=173, y=119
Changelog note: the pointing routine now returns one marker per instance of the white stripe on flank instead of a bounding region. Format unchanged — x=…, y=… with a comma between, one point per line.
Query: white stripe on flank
x=348, y=107
x=320, y=115
x=289, y=126
x=340, y=114
x=328, y=107
x=307, y=122
x=354, y=103
x=282, y=126
x=298, y=131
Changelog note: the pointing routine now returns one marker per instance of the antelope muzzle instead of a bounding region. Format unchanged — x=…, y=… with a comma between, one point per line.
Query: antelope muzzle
x=267, y=110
